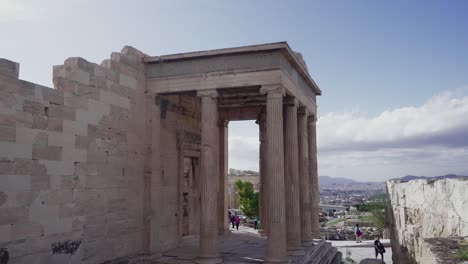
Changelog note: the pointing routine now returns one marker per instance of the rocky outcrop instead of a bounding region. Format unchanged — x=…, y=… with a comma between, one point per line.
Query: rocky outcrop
x=423, y=209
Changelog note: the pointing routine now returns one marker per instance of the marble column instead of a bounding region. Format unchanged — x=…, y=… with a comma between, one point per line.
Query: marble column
x=313, y=176
x=209, y=178
x=306, y=224
x=291, y=179
x=223, y=171
x=262, y=171
x=276, y=242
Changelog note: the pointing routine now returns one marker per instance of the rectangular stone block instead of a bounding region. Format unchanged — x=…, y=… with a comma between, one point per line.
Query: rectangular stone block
x=7, y=119
x=76, y=102
x=5, y=233
x=53, y=96
x=73, y=154
x=15, y=150
x=39, y=122
x=33, y=107
x=23, y=119
x=57, y=167
x=26, y=230
x=46, y=152
x=111, y=98
x=43, y=212
x=10, y=68
x=83, y=142
x=55, y=124
x=75, y=127
x=15, y=182
x=61, y=112
x=40, y=180
x=6, y=166
x=23, y=166
x=7, y=133
x=13, y=215
x=127, y=81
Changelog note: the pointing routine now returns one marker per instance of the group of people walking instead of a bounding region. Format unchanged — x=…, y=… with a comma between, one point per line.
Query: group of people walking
x=234, y=219
x=378, y=246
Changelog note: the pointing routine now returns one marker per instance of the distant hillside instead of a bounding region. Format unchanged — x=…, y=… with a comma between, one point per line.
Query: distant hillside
x=331, y=180
x=448, y=176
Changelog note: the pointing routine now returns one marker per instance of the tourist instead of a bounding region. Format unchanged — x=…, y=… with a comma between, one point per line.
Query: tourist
x=379, y=248
x=230, y=218
x=358, y=233
x=256, y=222
x=237, y=221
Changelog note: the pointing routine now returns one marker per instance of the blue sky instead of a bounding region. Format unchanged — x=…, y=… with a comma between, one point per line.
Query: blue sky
x=372, y=60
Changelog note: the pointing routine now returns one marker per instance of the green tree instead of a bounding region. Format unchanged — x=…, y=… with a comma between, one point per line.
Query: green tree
x=248, y=198
x=378, y=207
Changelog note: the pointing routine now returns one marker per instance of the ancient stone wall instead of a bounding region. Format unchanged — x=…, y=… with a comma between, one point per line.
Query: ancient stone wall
x=423, y=209
x=71, y=163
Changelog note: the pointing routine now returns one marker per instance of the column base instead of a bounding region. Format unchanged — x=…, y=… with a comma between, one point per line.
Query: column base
x=208, y=260
x=269, y=260
x=296, y=252
x=316, y=235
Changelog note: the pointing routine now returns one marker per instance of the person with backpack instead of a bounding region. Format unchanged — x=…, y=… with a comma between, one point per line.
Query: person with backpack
x=379, y=248
x=358, y=233
x=237, y=221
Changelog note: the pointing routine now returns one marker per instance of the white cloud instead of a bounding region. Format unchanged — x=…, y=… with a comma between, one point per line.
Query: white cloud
x=430, y=139
x=442, y=120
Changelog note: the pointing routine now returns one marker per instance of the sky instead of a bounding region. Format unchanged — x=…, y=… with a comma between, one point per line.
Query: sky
x=394, y=74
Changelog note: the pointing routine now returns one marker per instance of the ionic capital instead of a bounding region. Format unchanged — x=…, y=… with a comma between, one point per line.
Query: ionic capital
x=292, y=101
x=311, y=118
x=212, y=93
x=302, y=110
x=275, y=90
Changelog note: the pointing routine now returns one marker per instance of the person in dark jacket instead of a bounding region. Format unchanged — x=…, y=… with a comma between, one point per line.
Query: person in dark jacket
x=379, y=248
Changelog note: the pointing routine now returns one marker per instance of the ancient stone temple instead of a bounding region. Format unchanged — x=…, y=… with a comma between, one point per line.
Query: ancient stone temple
x=125, y=158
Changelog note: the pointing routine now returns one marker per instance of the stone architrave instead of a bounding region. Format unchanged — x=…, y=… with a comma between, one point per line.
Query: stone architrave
x=304, y=177
x=276, y=242
x=291, y=179
x=209, y=178
x=313, y=176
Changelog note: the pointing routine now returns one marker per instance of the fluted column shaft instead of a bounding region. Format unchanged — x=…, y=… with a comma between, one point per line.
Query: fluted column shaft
x=291, y=179
x=209, y=178
x=262, y=170
x=223, y=170
x=315, y=195
x=276, y=243
x=304, y=180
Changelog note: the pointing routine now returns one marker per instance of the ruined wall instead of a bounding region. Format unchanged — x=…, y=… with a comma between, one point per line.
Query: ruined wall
x=422, y=209
x=71, y=163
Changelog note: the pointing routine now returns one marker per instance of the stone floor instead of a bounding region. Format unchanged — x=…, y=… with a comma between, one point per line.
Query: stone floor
x=362, y=251
x=243, y=246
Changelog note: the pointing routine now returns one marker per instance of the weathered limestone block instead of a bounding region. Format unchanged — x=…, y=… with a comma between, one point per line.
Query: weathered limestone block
x=424, y=209
x=61, y=112
x=7, y=133
x=46, y=152
x=9, y=68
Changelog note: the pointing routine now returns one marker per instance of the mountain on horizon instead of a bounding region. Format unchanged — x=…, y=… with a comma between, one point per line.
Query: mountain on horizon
x=447, y=176
x=332, y=180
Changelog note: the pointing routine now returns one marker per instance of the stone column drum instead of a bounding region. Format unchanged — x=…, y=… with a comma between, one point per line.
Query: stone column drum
x=276, y=242
x=313, y=176
x=291, y=179
x=306, y=224
x=209, y=179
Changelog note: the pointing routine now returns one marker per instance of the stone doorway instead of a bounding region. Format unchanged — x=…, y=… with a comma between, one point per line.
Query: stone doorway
x=190, y=197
